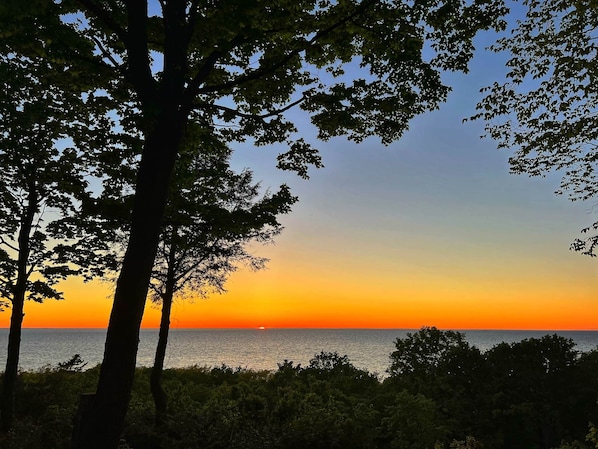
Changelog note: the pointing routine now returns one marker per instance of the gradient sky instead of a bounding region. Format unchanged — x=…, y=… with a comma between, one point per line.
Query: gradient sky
x=431, y=230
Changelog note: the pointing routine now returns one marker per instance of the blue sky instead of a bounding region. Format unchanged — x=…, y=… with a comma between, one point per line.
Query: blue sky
x=440, y=203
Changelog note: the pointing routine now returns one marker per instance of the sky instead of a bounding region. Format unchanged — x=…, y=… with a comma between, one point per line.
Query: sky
x=431, y=230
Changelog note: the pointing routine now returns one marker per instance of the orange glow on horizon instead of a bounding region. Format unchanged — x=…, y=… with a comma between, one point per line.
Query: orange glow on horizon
x=271, y=300
x=429, y=231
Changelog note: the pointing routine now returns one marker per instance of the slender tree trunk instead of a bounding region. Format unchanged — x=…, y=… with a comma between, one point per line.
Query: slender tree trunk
x=160, y=397
x=16, y=319
x=101, y=426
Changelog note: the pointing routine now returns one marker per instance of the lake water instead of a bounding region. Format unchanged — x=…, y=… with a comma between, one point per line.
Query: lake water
x=249, y=348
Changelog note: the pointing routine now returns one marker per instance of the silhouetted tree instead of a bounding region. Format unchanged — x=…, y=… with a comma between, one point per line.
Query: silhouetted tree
x=42, y=180
x=443, y=366
x=546, y=110
x=241, y=65
x=211, y=216
x=535, y=393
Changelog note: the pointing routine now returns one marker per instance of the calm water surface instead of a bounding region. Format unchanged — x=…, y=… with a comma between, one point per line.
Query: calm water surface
x=248, y=348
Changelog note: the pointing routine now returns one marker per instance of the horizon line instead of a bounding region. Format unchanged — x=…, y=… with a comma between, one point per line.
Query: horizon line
x=266, y=328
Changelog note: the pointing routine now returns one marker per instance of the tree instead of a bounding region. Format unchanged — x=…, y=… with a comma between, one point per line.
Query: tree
x=42, y=176
x=241, y=65
x=412, y=422
x=535, y=392
x=547, y=108
x=442, y=366
x=211, y=216
x=426, y=352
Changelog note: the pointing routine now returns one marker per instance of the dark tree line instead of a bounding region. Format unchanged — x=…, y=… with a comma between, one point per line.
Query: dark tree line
x=439, y=392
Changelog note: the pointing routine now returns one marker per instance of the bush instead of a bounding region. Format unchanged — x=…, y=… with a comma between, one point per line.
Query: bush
x=538, y=393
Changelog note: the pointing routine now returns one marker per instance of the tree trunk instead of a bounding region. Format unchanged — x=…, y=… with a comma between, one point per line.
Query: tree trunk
x=160, y=398
x=16, y=319
x=12, y=363
x=101, y=427
x=164, y=122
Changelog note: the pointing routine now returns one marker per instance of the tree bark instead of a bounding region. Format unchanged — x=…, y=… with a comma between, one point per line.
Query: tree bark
x=16, y=319
x=101, y=427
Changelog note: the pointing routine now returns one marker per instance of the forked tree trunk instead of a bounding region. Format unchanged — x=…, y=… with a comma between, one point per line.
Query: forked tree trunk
x=16, y=319
x=101, y=426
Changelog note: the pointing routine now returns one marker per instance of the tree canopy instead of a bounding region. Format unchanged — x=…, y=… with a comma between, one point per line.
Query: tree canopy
x=547, y=109
x=359, y=68
x=42, y=113
x=212, y=215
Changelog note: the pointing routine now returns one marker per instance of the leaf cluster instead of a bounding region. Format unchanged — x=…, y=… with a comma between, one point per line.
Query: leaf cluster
x=547, y=107
x=212, y=215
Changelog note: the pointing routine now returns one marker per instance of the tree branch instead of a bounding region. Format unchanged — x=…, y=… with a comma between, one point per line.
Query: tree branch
x=183, y=275
x=156, y=290
x=251, y=116
x=106, y=18
x=139, y=67
x=256, y=74
x=4, y=242
x=192, y=20
x=108, y=56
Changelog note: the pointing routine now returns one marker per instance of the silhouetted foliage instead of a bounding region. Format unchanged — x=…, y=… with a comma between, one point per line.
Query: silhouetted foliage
x=521, y=395
x=44, y=159
x=537, y=393
x=211, y=216
x=546, y=110
x=75, y=363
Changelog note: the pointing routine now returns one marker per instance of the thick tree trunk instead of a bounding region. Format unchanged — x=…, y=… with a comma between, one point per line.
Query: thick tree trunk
x=16, y=319
x=101, y=427
x=160, y=398
x=12, y=363
x=164, y=122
